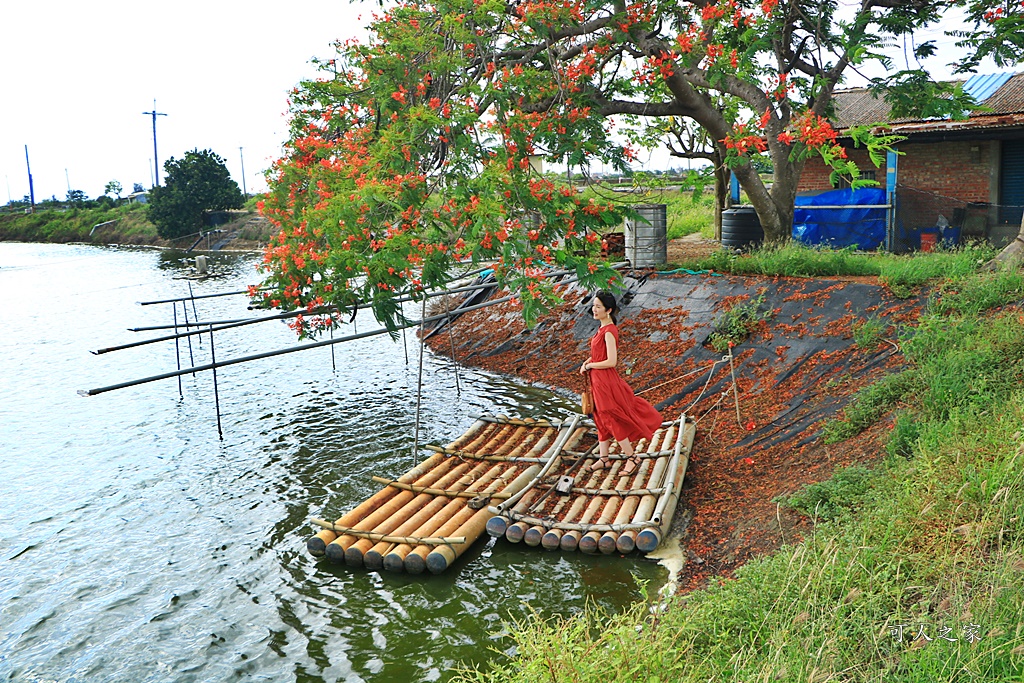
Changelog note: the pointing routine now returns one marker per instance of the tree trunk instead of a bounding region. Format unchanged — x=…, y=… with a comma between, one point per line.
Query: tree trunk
x=721, y=191
x=775, y=208
x=1012, y=254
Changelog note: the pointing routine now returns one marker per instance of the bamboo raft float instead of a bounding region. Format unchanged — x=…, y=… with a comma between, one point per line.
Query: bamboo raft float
x=524, y=479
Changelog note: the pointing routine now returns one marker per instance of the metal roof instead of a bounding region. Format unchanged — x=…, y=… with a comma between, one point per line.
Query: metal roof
x=1002, y=94
x=983, y=86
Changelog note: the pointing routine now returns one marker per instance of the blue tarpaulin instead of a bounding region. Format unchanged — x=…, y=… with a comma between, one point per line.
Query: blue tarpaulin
x=860, y=228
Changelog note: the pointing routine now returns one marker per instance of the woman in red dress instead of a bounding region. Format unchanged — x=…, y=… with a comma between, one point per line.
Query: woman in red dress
x=618, y=413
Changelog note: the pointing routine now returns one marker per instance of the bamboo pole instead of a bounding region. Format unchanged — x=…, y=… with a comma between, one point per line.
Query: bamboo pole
x=373, y=558
x=452, y=516
x=470, y=524
x=649, y=539
x=515, y=531
x=386, y=520
x=588, y=543
x=533, y=535
x=317, y=545
x=448, y=493
x=396, y=558
x=553, y=536
x=571, y=538
x=608, y=543
x=336, y=549
x=530, y=495
x=475, y=521
x=498, y=525
x=626, y=541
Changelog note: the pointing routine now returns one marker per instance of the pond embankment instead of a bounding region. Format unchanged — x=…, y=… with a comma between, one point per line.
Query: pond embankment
x=799, y=368
x=129, y=224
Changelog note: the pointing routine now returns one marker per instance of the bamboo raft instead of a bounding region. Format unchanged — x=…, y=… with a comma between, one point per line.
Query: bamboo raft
x=526, y=480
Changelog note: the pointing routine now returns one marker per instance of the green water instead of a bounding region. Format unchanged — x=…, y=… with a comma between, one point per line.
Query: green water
x=135, y=545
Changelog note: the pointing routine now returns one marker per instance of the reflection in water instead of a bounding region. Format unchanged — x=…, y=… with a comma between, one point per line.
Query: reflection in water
x=137, y=546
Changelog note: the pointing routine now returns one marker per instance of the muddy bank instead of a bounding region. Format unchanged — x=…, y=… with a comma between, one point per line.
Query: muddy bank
x=799, y=368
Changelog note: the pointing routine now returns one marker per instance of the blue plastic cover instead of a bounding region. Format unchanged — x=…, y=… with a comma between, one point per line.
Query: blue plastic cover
x=838, y=228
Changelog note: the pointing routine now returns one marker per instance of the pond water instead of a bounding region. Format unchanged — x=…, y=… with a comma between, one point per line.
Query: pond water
x=136, y=545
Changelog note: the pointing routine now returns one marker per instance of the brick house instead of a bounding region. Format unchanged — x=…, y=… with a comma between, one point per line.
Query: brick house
x=971, y=172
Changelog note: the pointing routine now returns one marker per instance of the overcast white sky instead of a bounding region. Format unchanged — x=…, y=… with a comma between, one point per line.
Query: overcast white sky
x=76, y=77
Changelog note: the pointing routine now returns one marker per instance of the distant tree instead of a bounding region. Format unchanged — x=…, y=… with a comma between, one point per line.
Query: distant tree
x=104, y=201
x=198, y=182
x=137, y=187
x=76, y=196
x=113, y=187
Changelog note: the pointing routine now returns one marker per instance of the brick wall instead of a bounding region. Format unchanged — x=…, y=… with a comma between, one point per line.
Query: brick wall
x=947, y=169
x=815, y=174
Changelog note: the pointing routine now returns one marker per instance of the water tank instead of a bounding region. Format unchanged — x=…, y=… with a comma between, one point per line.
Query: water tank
x=741, y=228
x=646, y=236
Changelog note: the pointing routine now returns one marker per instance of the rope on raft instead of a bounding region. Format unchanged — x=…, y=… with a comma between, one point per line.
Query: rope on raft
x=374, y=536
x=548, y=523
x=436, y=492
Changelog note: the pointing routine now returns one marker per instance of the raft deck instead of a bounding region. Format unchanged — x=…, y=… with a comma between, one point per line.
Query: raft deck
x=526, y=480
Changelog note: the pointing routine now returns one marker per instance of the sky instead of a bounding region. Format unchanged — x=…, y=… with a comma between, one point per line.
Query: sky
x=76, y=78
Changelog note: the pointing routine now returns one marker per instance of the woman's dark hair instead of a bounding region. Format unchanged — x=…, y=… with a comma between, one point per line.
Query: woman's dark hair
x=607, y=300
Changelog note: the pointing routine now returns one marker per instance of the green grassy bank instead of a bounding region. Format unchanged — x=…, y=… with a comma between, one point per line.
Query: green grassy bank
x=131, y=225
x=914, y=569
x=125, y=224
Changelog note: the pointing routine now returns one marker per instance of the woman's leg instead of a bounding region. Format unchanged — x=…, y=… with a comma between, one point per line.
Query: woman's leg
x=603, y=461
x=627, y=450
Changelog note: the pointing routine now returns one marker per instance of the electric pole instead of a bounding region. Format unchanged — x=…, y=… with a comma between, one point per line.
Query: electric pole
x=244, y=193
x=31, y=189
x=156, y=159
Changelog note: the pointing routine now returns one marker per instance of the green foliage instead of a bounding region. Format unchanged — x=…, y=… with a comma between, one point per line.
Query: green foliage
x=113, y=188
x=868, y=333
x=52, y=225
x=903, y=274
x=737, y=323
x=414, y=151
x=835, y=497
x=193, y=184
x=870, y=404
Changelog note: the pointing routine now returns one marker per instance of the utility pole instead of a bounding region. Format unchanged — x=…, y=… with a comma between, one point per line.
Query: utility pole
x=68, y=180
x=31, y=188
x=246, y=194
x=156, y=159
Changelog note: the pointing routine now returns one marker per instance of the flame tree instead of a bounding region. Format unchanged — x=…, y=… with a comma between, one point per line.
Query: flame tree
x=412, y=151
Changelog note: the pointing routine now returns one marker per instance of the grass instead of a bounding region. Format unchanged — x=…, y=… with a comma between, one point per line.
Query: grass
x=75, y=225
x=737, y=323
x=928, y=544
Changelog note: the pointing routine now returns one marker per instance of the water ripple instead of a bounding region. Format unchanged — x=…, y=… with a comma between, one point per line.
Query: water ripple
x=135, y=545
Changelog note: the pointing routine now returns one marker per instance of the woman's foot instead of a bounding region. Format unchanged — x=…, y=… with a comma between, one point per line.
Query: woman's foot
x=599, y=464
x=631, y=465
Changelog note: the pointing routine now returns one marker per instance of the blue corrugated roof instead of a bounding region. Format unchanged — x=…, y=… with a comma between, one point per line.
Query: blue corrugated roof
x=983, y=86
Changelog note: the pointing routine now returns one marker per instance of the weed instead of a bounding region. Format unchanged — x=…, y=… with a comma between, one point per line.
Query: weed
x=870, y=404
x=830, y=499
x=868, y=333
x=737, y=323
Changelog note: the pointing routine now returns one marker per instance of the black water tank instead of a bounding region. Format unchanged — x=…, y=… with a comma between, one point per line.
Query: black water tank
x=741, y=228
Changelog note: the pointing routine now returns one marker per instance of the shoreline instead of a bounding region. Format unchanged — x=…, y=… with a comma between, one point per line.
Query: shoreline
x=727, y=515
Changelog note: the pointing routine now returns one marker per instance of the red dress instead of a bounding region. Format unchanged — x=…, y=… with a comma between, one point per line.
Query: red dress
x=618, y=412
